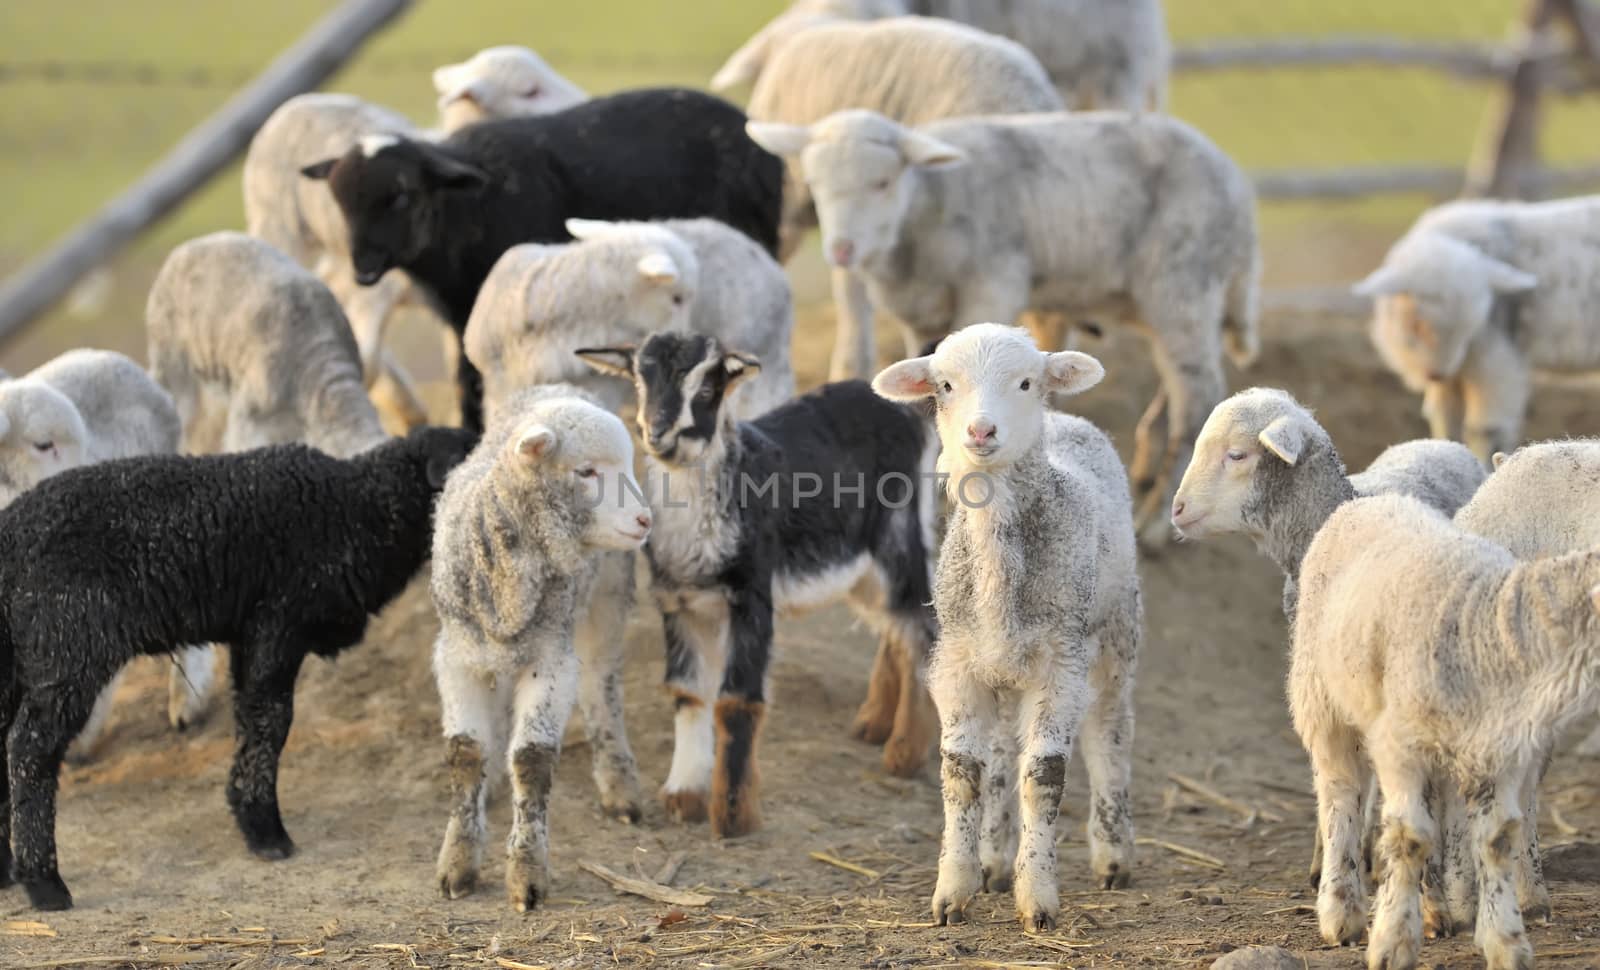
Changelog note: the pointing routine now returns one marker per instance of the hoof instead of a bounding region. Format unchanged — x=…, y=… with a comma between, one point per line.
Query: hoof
x=1537, y=913
x=1037, y=921
x=872, y=727
x=527, y=885
x=998, y=882
x=525, y=899
x=1116, y=877
x=49, y=894
x=275, y=850
x=628, y=813
x=946, y=913
x=688, y=807
x=904, y=760
x=455, y=885
x=732, y=821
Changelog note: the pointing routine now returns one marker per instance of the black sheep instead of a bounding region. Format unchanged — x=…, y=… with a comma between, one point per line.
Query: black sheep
x=277, y=552
x=445, y=212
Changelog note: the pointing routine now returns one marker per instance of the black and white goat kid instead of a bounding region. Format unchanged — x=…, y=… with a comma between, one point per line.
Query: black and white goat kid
x=829, y=496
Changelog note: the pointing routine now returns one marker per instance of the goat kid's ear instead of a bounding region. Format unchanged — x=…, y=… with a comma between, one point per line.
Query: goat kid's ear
x=779, y=139
x=1285, y=438
x=442, y=171
x=739, y=366
x=658, y=269
x=319, y=170
x=615, y=361
x=927, y=152
x=1070, y=372
x=534, y=444
x=909, y=380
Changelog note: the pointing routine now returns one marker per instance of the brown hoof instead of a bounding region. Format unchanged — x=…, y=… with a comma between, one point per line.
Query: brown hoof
x=904, y=759
x=872, y=726
x=688, y=807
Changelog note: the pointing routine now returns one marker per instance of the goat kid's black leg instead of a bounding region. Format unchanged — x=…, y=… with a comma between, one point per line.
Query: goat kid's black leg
x=736, y=788
x=263, y=711
x=46, y=722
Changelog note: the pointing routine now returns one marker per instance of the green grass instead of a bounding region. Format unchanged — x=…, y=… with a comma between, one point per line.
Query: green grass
x=65, y=148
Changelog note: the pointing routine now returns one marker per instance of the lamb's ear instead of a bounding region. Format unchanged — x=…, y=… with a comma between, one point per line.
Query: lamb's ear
x=1505, y=278
x=442, y=171
x=319, y=170
x=448, y=77
x=470, y=91
x=909, y=380
x=1383, y=281
x=615, y=361
x=924, y=151
x=745, y=64
x=1070, y=372
x=658, y=269
x=1284, y=437
x=777, y=138
x=1498, y=459
x=534, y=444
x=590, y=228
x=739, y=366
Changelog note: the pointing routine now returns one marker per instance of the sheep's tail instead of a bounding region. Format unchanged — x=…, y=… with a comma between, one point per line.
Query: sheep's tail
x=1241, y=313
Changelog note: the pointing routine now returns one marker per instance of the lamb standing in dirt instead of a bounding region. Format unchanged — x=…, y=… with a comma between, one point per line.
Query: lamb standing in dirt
x=1040, y=618
x=230, y=314
x=1476, y=297
x=1109, y=54
x=827, y=497
x=514, y=566
x=1079, y=216
x=1479, y=689
x=912, y=69
x=618, y=284
x=278, y=552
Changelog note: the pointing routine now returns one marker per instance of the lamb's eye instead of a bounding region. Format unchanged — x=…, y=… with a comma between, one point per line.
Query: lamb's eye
x=1235, y=454
x=677, y=299
x=588, y=473
x=532, y=92
x=881, y=185
x=46, y=446
x=1026, y=384
x=947, y=387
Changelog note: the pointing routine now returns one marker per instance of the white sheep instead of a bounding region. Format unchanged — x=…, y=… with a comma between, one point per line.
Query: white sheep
x=912, y=69
x=1479, y=295
x=1431, y=650
x=1037, y=595
x=501, y=82
x=1086, y=216
x=1099, y=53
x=83, y=407
x=619, y=283
x=229, y=316
x=515, y=554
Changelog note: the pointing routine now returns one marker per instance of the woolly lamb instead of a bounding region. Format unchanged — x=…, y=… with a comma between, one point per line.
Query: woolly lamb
x=232, y=317
x=912, y=69
x=514, y=562
x=1099, y=53
x=745, y=527
x=1135, y=219
x=1039, y=610
x=1475, y=298
x=499, y=82
x=1430, y=649
x=620, y=283
x=446, y=212
x=278, y=553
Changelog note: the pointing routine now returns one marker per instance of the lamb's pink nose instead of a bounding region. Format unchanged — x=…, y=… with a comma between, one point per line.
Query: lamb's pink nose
x=643, y=518
x=981, y=432
x=843, y=252
x=1177, y=508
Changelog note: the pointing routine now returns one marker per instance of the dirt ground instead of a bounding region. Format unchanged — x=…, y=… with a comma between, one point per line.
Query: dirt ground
x=162, y=878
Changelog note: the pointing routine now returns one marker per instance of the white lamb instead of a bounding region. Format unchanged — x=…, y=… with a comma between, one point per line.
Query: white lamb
x=1084, y=216
x=1429, y=649
x=912, y=69
x=83, y=407
x=516, y=546
x=1479, y=295
x=230, y=317
x=1099, y=53
x=1037, y=595
x=619, y=283
x=300, y=217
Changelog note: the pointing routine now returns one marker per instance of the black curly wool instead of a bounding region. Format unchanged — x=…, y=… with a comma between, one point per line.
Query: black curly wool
x=277, y=553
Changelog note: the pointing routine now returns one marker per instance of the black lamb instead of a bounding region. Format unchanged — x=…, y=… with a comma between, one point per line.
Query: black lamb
x=277, y=553
x=445, y=212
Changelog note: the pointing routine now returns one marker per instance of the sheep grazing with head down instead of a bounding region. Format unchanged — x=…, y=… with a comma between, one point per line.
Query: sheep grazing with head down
x=1040, y=618
x=1426, y=650
x=278, y=553
x=1109, y=54
x=825, y=498
x=1070, y=216
x=1475, y=298
x=500, y=82
x=231, y=315
x=620, y=282
x=514, y=557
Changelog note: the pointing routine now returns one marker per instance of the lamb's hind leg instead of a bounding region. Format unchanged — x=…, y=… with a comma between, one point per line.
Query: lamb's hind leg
x=968, y=722
x=1408, y=837
x=999, y=837
x=83, y=746
x=263, y=708
x=1533, y=896
x=1152, y=428
x=194, y=669
x=469, y=709
x=47, y=719
x=601, y=645
x=1108, y=757
x=1493, y=805
x=1337, y=770
x=544, y=700
x=1052, y=716
x=696, y=656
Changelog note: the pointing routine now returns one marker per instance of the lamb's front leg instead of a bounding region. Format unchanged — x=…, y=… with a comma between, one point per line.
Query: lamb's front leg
x=969, y=722
x=263, y=707
x=696, y=656
x=1532, y=893
x=1496, y=817
x=45, y=722
x=468, y=710
x=1053, y=715
x=741, y=709
x=544, y=699
x=601, y=644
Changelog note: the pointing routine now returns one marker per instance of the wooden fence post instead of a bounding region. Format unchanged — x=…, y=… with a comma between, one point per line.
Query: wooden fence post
x=1508, y=148
x=200, y=155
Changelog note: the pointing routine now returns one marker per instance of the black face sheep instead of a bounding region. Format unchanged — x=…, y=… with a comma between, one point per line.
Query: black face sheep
x=446, y=212
x=514, y=569
x=277, y=553
x=826, y=497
